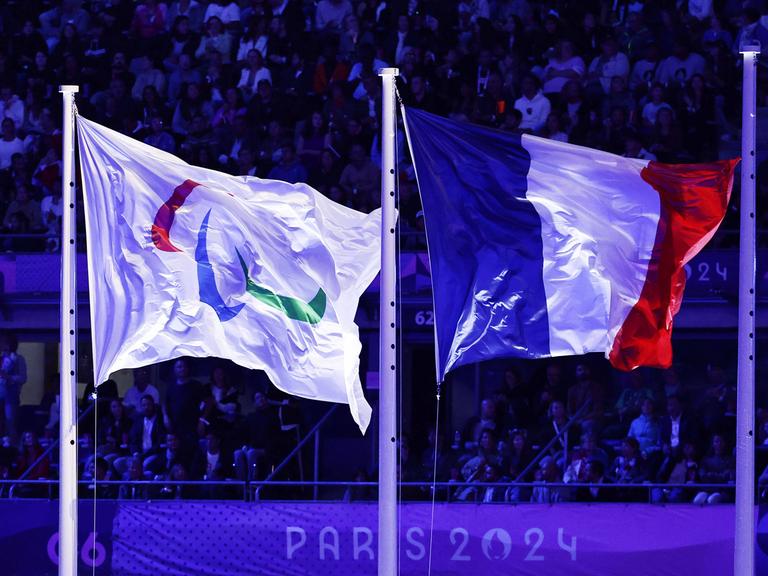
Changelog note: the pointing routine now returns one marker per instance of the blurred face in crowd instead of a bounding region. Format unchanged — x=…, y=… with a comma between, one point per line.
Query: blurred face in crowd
x=518, y=442
x=557, y=410
x=9, y=129
x=214, y=26
x=647, y=407
x=181, y=369
x=255, y=60
x=528, y=87
x=172, y=441
x=582, y=372
x=627, y=449
x=136, y=470
x=185, y=61
x=357, y=155
x=718, y=444
x=148, y=407
x=116, y=409
x=260, y=400
x=41, y=60
x=487, y=409
x=487, y=441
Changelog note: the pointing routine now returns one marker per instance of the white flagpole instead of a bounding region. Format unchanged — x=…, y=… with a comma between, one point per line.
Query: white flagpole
x=68, y=549
x=744, y=549
x=388, y=536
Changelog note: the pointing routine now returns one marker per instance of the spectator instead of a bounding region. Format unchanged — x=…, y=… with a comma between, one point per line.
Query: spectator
x=97, y=470
x=326, y=175
x=587, y=451
x=609, y=64
x=594, y=473
x=115, y=432
x=182, y=41
x=11, y=106
x=225, y=10
x=564, y=65
x=556, y=428
x=655, y=103
x=10, y=144
x=330, y=14
x=13, y=375
x=253, y=73
x=215, y=40
x=147, y=75
x=678, y=427
x=312, y=141
x=189, y=9
x=646, y=430
x=29, y=452
x=548, y=472
x=586, y=389
x=221, y=406
x=675, y=70
x=681, y=467
x=141, y=386
x=135, y=474
x=159, y=137
x=289, y=168
x=261, y=434
x=183, y=397
x=149, y=19
x=217, y=461
x=147, y=435
x=629, y=467
x=552, y=129
x=533, y=105
x=718, y=467
x=360, y=178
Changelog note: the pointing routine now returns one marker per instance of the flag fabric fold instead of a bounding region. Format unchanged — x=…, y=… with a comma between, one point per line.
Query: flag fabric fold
x=541, y=248
x=186, y=261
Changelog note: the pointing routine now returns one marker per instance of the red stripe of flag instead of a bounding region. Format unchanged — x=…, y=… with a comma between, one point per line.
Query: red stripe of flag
x=694, y=198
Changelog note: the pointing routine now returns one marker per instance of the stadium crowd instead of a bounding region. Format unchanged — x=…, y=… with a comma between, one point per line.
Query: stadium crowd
x=288, y=89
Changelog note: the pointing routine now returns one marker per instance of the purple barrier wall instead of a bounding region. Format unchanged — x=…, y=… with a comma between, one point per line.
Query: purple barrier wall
x=328, y=539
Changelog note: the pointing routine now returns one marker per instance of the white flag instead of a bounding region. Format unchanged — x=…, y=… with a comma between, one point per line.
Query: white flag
x=186, y=261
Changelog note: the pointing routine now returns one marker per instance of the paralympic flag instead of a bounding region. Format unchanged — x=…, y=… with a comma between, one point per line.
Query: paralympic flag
x=186, y=261
x=541, y=248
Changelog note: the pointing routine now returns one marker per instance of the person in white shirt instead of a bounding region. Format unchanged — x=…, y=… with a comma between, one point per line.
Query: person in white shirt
x=533, y=105
x=10, y=144
x=141, y=386
x=227, y=11
x=564, y=66
x=610, y=63
x=681, y=66
x=330, y=14
x=11, y=106
x=253, y=73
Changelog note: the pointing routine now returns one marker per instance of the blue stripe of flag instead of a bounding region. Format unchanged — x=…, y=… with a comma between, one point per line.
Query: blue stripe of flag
x=485, y=243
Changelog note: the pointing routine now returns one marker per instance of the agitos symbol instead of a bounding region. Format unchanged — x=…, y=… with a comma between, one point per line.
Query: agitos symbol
x=310, y=312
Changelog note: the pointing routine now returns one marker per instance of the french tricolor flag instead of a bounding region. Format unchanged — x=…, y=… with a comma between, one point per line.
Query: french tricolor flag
x=540, y=248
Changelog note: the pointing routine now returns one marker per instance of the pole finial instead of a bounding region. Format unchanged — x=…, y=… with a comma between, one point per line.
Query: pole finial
x=69, y=88
x=389, y=71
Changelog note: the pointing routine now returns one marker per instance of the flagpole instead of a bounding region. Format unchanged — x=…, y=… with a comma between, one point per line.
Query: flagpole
x=744, y=549
x=68, y=548
x=388, y=536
